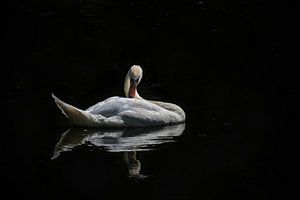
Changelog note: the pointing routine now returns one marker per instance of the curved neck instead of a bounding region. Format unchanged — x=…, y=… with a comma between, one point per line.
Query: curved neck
x=137, y=96
x=127, y=88
x=126, y=85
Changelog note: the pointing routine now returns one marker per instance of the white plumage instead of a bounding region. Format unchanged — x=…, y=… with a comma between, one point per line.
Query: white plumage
x=125, y=112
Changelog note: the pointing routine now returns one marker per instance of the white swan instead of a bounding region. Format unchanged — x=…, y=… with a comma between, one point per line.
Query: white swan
x=132, y=111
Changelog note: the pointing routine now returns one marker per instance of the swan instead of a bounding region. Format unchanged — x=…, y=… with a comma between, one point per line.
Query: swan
x=129, y=111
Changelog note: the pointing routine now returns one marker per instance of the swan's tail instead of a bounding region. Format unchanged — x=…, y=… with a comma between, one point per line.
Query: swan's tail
x=76, y=116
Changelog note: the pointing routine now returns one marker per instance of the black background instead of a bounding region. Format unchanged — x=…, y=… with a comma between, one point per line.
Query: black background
x=228, y=64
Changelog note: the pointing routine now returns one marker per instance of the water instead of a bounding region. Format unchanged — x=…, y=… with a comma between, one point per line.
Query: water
x=206, y=158
x=119, y=140
x=200, y=55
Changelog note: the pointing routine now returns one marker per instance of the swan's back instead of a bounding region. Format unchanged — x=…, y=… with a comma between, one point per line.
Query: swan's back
x=135, y=112
x=115, y=105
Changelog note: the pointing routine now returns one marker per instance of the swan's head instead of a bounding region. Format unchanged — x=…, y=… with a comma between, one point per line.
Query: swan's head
x=132, y=80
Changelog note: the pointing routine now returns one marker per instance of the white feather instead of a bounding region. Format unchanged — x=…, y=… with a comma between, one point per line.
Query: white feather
x=124, y=112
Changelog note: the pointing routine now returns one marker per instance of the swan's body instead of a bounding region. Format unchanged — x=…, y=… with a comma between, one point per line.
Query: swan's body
x=125, y=112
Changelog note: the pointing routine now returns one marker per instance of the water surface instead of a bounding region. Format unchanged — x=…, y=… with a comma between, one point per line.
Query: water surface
x=213, y=59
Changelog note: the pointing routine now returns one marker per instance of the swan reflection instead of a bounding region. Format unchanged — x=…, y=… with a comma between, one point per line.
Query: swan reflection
x=129, y=141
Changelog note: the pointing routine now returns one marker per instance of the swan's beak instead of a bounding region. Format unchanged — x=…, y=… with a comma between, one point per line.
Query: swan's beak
x=132, y=88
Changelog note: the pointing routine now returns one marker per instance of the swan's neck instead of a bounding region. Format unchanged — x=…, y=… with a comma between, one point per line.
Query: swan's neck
x=128, y=89
x=137, y=96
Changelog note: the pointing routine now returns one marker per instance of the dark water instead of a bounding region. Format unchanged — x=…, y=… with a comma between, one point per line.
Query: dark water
x=215, y=59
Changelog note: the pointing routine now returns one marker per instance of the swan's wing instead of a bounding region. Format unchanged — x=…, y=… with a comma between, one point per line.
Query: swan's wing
x=121, y=111
x=109, y=107
x=171, y=107
x=141, y=117
x=115, y=105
